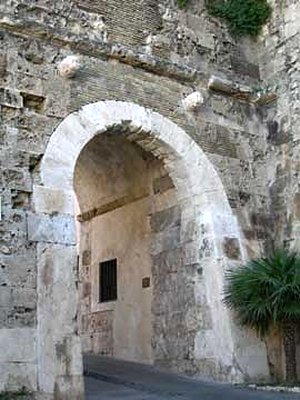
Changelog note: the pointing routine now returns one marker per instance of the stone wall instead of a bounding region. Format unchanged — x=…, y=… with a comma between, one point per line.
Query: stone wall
x=230, y=131
x=280, y=65
x=250, y=146
x=208, y=237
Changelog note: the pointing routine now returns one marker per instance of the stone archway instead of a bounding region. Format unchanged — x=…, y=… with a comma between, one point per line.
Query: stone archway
x=207, y=224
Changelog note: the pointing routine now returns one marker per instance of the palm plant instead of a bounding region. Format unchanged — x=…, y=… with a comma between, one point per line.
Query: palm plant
x=265, y=292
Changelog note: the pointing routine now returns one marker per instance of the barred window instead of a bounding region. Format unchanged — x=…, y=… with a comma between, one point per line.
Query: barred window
x=108, y=281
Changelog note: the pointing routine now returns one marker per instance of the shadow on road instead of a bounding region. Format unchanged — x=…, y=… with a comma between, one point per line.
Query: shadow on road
x=108, y=379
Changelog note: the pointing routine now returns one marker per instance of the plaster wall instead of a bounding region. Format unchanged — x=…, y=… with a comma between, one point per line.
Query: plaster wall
x=125, y=234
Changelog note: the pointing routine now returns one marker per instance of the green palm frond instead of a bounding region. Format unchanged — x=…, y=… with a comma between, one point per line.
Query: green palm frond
x=265, y=291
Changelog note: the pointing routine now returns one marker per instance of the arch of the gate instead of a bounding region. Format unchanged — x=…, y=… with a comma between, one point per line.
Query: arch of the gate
x=202, y=339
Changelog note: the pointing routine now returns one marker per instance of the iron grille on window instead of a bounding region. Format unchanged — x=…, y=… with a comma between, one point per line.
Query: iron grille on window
x=108, y=281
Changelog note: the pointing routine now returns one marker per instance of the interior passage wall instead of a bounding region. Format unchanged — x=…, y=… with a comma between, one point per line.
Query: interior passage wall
x=121, y=328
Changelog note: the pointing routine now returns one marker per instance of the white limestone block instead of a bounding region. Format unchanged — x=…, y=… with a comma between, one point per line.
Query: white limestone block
x=15, y=375
x=193, y=101
x=20, y=345
x=59, y=348
x=49, y=200
x=51, y=229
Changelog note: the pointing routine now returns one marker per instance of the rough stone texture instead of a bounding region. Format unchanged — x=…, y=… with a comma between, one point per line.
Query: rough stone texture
x=56, y=229
x=205, y=221
x=166, y=219
x=59, y=348
x=69, y=67
x=193, y=101
x=282, y=66
x=49, y=201
x=170, y=54
x=18, y=359
x=280, y=62
x=97, y=333
x=231, y=248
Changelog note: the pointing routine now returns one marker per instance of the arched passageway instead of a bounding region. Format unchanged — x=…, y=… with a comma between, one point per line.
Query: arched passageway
x=132, y=167
x=120, y=189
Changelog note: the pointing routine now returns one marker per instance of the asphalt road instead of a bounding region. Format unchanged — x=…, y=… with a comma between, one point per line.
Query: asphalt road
x=109, y=379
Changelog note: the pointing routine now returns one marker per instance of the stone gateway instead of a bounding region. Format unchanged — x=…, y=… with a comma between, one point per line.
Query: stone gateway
x=138, y=164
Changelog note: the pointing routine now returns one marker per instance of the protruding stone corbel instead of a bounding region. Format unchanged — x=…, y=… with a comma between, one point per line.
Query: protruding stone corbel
x=241, y=92
x=69, y=67
x=229, y=88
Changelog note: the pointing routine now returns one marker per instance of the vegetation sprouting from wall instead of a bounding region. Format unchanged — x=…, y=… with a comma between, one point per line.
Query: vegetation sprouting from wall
x=243, y=17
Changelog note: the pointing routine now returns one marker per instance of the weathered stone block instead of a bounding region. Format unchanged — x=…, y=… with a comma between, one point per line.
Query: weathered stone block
x=69, y=67
x=193, y=101
x=69, y=387
x=20, y=199
x=166, y=219
x=100, y=322
x=167, y=261
x=244, y=67
x=29, y=123
x=14, y=317
x=202, y=318
x=20, y=345
x=231, y=248
x=3, y=65
x=86, y=257
x=33, y=102
x=18, y=270
x=11, y=98
x=86, y=289
x=16, y=375
x=50, y=201
x=297, y=206
x=98, y=333
x=230, y=88
x=162, y=184
x=5, y=296
x=52, y=229
x=166, y=240
x=24, y=298
x=251, y=353
x=57, y=308
x=97, y=343
x=190, y=231
x=16, y=178
x=166, y=282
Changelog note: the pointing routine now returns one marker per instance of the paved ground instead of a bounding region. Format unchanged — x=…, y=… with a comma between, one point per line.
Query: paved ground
x=109, y=379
